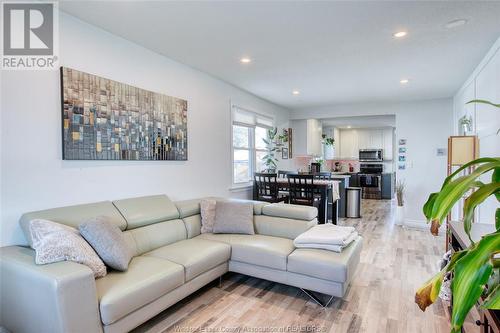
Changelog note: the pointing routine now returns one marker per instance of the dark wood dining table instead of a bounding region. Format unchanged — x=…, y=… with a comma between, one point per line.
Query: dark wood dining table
x=328, y=191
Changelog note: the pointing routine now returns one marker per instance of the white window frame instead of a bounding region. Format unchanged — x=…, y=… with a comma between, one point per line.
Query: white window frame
x=251, y=145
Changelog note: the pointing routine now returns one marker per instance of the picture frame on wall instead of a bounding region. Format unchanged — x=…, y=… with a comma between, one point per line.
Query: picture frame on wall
x=402, y=142
x=402, y=150
x=104, y=119
x=284, y=153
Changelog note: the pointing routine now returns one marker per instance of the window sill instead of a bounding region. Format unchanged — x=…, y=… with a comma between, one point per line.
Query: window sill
x=240, y=188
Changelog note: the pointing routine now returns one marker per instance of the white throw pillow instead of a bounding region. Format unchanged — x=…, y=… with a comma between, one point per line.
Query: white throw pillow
x=207, y=208
x=55, y=242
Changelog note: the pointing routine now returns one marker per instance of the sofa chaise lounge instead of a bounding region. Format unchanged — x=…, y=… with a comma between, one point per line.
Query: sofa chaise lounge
x=172, y=260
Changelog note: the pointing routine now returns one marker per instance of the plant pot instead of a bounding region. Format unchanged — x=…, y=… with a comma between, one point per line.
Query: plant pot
x=400, y=215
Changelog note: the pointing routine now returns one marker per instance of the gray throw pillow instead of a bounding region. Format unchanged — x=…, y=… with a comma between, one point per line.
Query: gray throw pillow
x=233, y=218
x=108, y=241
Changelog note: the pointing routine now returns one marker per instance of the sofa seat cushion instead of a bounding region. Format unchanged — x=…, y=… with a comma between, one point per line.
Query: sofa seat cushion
x=224, y=238
x=196, y=255
x=146, y=279
x=326, y=265
x=261, y=250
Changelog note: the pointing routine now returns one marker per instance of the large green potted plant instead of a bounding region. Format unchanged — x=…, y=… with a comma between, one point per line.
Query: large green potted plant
x=474, y=268
x=272, y=147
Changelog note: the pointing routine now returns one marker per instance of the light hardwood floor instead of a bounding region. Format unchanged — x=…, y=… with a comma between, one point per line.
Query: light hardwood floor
x=394, y=262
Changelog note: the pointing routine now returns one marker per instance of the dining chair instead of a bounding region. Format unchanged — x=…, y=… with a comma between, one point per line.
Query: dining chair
x=301, y=190
x=267, y=188
x=284, y=174
x=323, y=175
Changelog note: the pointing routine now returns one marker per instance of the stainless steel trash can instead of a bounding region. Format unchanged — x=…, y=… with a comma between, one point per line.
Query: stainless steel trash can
x=353, y=202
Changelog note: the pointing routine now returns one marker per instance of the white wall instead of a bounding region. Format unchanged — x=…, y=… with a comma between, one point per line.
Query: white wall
x=484, y=83
x=425, y=125
x=33, y=175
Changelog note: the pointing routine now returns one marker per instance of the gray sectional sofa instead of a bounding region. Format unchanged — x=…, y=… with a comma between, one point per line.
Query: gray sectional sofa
x=172, y=260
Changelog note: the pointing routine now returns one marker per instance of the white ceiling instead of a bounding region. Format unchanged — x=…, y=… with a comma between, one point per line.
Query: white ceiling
x=333, y=52
x=360, y=122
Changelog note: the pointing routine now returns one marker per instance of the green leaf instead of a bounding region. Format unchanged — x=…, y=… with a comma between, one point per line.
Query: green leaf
x=493, y=299
x=429, y=291
x=497, y=219
x=482, y=101
x=455, y=189
x=467, y=165
x=428, y=206
x=495, y=178
x=471, y=272
x=475, y=199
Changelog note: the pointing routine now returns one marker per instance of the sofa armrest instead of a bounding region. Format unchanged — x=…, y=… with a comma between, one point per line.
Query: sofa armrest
x=58, y=297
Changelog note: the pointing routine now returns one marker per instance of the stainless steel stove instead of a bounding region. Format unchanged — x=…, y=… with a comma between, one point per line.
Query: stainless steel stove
x=370, y=180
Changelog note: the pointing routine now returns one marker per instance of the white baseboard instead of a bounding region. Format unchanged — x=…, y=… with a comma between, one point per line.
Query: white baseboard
x=417, y=224
x=422, y=225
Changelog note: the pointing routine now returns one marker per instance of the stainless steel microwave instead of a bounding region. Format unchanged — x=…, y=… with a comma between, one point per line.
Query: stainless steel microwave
x=371, y=155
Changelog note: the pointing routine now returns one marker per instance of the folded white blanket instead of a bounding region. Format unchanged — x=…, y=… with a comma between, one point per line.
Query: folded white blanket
x=334, y=248
x=329, y=234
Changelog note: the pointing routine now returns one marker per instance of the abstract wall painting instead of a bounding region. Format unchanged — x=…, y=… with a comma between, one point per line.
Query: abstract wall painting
x=108, y=120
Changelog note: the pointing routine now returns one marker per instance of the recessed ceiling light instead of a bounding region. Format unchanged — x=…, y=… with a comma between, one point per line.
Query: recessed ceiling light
x=404, y=81
x=400, y=34
x=455, y=23
x=245, y=60
x=296, y=92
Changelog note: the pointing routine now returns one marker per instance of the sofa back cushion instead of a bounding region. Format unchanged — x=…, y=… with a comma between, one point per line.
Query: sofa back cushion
x=281, y=227
x=188, y=208
x=193, y=225
x=295, y=212
x=153, y=236
x=148, y=210
x=74, y=215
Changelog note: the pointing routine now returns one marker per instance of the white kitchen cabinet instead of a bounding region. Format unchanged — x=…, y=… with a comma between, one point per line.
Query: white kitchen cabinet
x=387, y=143
x=306, y=138
x=349, y=144
x=376, y=139
x=363, y=138
x=352, y=140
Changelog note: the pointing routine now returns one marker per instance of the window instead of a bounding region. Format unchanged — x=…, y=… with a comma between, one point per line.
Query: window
x=248, y=131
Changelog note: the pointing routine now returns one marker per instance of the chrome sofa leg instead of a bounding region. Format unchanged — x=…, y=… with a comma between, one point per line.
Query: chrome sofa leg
x=220, y=282
x=316, y=299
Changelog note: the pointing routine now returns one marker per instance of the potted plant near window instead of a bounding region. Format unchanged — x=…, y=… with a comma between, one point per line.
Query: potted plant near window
x=400, y=191
x=474, y=270
x=272, y=147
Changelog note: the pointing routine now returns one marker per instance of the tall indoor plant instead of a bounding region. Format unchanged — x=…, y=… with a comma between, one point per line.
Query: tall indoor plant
x=272, y=147
x=473, y=267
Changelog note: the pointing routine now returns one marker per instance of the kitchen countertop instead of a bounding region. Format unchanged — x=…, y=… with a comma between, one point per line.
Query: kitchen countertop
x=339, y=176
